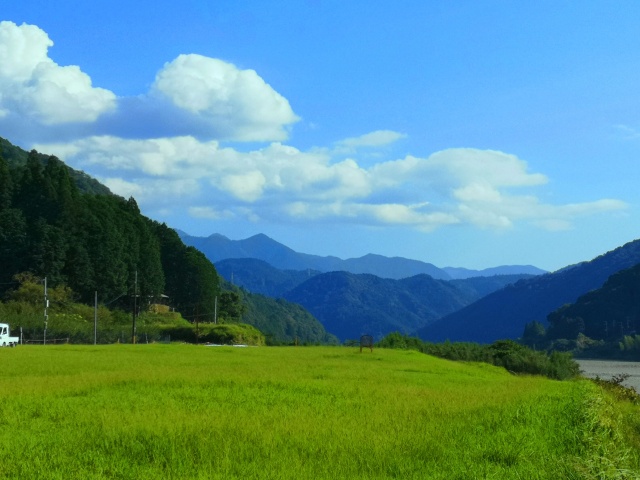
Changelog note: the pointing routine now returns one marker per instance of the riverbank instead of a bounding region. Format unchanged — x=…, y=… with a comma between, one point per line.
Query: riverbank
x=607, y=369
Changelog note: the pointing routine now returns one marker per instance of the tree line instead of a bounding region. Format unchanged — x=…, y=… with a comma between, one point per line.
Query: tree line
x=92, y=242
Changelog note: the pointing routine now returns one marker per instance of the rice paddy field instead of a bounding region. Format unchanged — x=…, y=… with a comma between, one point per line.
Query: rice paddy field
x=195, y=412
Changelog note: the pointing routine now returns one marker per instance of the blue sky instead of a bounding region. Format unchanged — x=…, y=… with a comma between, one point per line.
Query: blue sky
x=468, y=133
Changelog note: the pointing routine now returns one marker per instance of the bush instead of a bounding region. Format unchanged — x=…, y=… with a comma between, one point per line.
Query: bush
x=509, y=354
x=398, y=341
x=225, y=334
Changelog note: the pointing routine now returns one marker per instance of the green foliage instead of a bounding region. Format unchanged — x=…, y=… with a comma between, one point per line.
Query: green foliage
x=232, y=334
x=192, y=282
x=608, y=313
x=16, y=158
x=630, y=345
x=74, y=322
x=600, y=324
x=616, y=387
x=230, y=306
x=282, y=322
x=399, y=341
x=6, y=185
x=509, y=354
x=31, y=291
x=225, y=334
x=534, y=333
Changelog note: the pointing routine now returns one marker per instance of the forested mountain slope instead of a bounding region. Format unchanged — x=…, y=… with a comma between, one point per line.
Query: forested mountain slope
x=93, y=242
x=349, y=305
x=503, y=314
x=607, y=313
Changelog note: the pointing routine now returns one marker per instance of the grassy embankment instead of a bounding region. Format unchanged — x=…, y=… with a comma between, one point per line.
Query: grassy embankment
x=179, y=411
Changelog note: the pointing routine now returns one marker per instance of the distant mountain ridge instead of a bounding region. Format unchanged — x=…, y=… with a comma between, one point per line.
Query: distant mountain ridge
x=504, y=313
x=258, y=276
x=217, y=247
x=350, y=304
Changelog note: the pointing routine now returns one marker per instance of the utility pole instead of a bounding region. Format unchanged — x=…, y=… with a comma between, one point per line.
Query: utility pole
x=135, y=298
x=215, y=311
x=46, y=316
x=95, y=318
x=197, y=326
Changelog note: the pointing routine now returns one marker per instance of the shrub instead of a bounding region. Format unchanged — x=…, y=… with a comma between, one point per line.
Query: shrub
x=225, y=334
x=509, y=354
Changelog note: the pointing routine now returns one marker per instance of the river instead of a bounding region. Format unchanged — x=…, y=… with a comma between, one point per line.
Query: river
x=606, y=369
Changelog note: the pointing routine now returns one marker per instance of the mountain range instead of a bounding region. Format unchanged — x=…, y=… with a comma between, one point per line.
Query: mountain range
x=349, y=302
x=217, y=247
x=504, y=313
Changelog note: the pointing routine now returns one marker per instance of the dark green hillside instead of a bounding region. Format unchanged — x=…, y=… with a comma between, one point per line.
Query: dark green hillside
x=504, y=314
x=50, y=228
x=610, y=314
x=16, y=157
x=284, y=322
x=349, y=305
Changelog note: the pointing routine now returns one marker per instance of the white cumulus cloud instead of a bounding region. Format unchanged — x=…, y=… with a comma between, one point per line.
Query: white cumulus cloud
x=483, y=188
x=192, y=95
x=237, y=103
x=34, y=86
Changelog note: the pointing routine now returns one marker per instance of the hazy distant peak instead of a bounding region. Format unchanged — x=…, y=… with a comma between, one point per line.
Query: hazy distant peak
x=260, y=236
x=217, y=236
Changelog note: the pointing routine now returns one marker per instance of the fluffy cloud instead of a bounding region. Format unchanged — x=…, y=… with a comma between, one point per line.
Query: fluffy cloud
x=460, y=168
x=192, y=95
x=163, y=147
x=34, y=86
x=238, y=104
x=484, y=188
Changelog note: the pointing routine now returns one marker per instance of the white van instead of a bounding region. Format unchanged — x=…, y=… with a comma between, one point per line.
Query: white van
x=5, y=339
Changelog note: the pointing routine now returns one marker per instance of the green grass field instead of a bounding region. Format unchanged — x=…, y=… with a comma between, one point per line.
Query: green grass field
x=181, y=411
